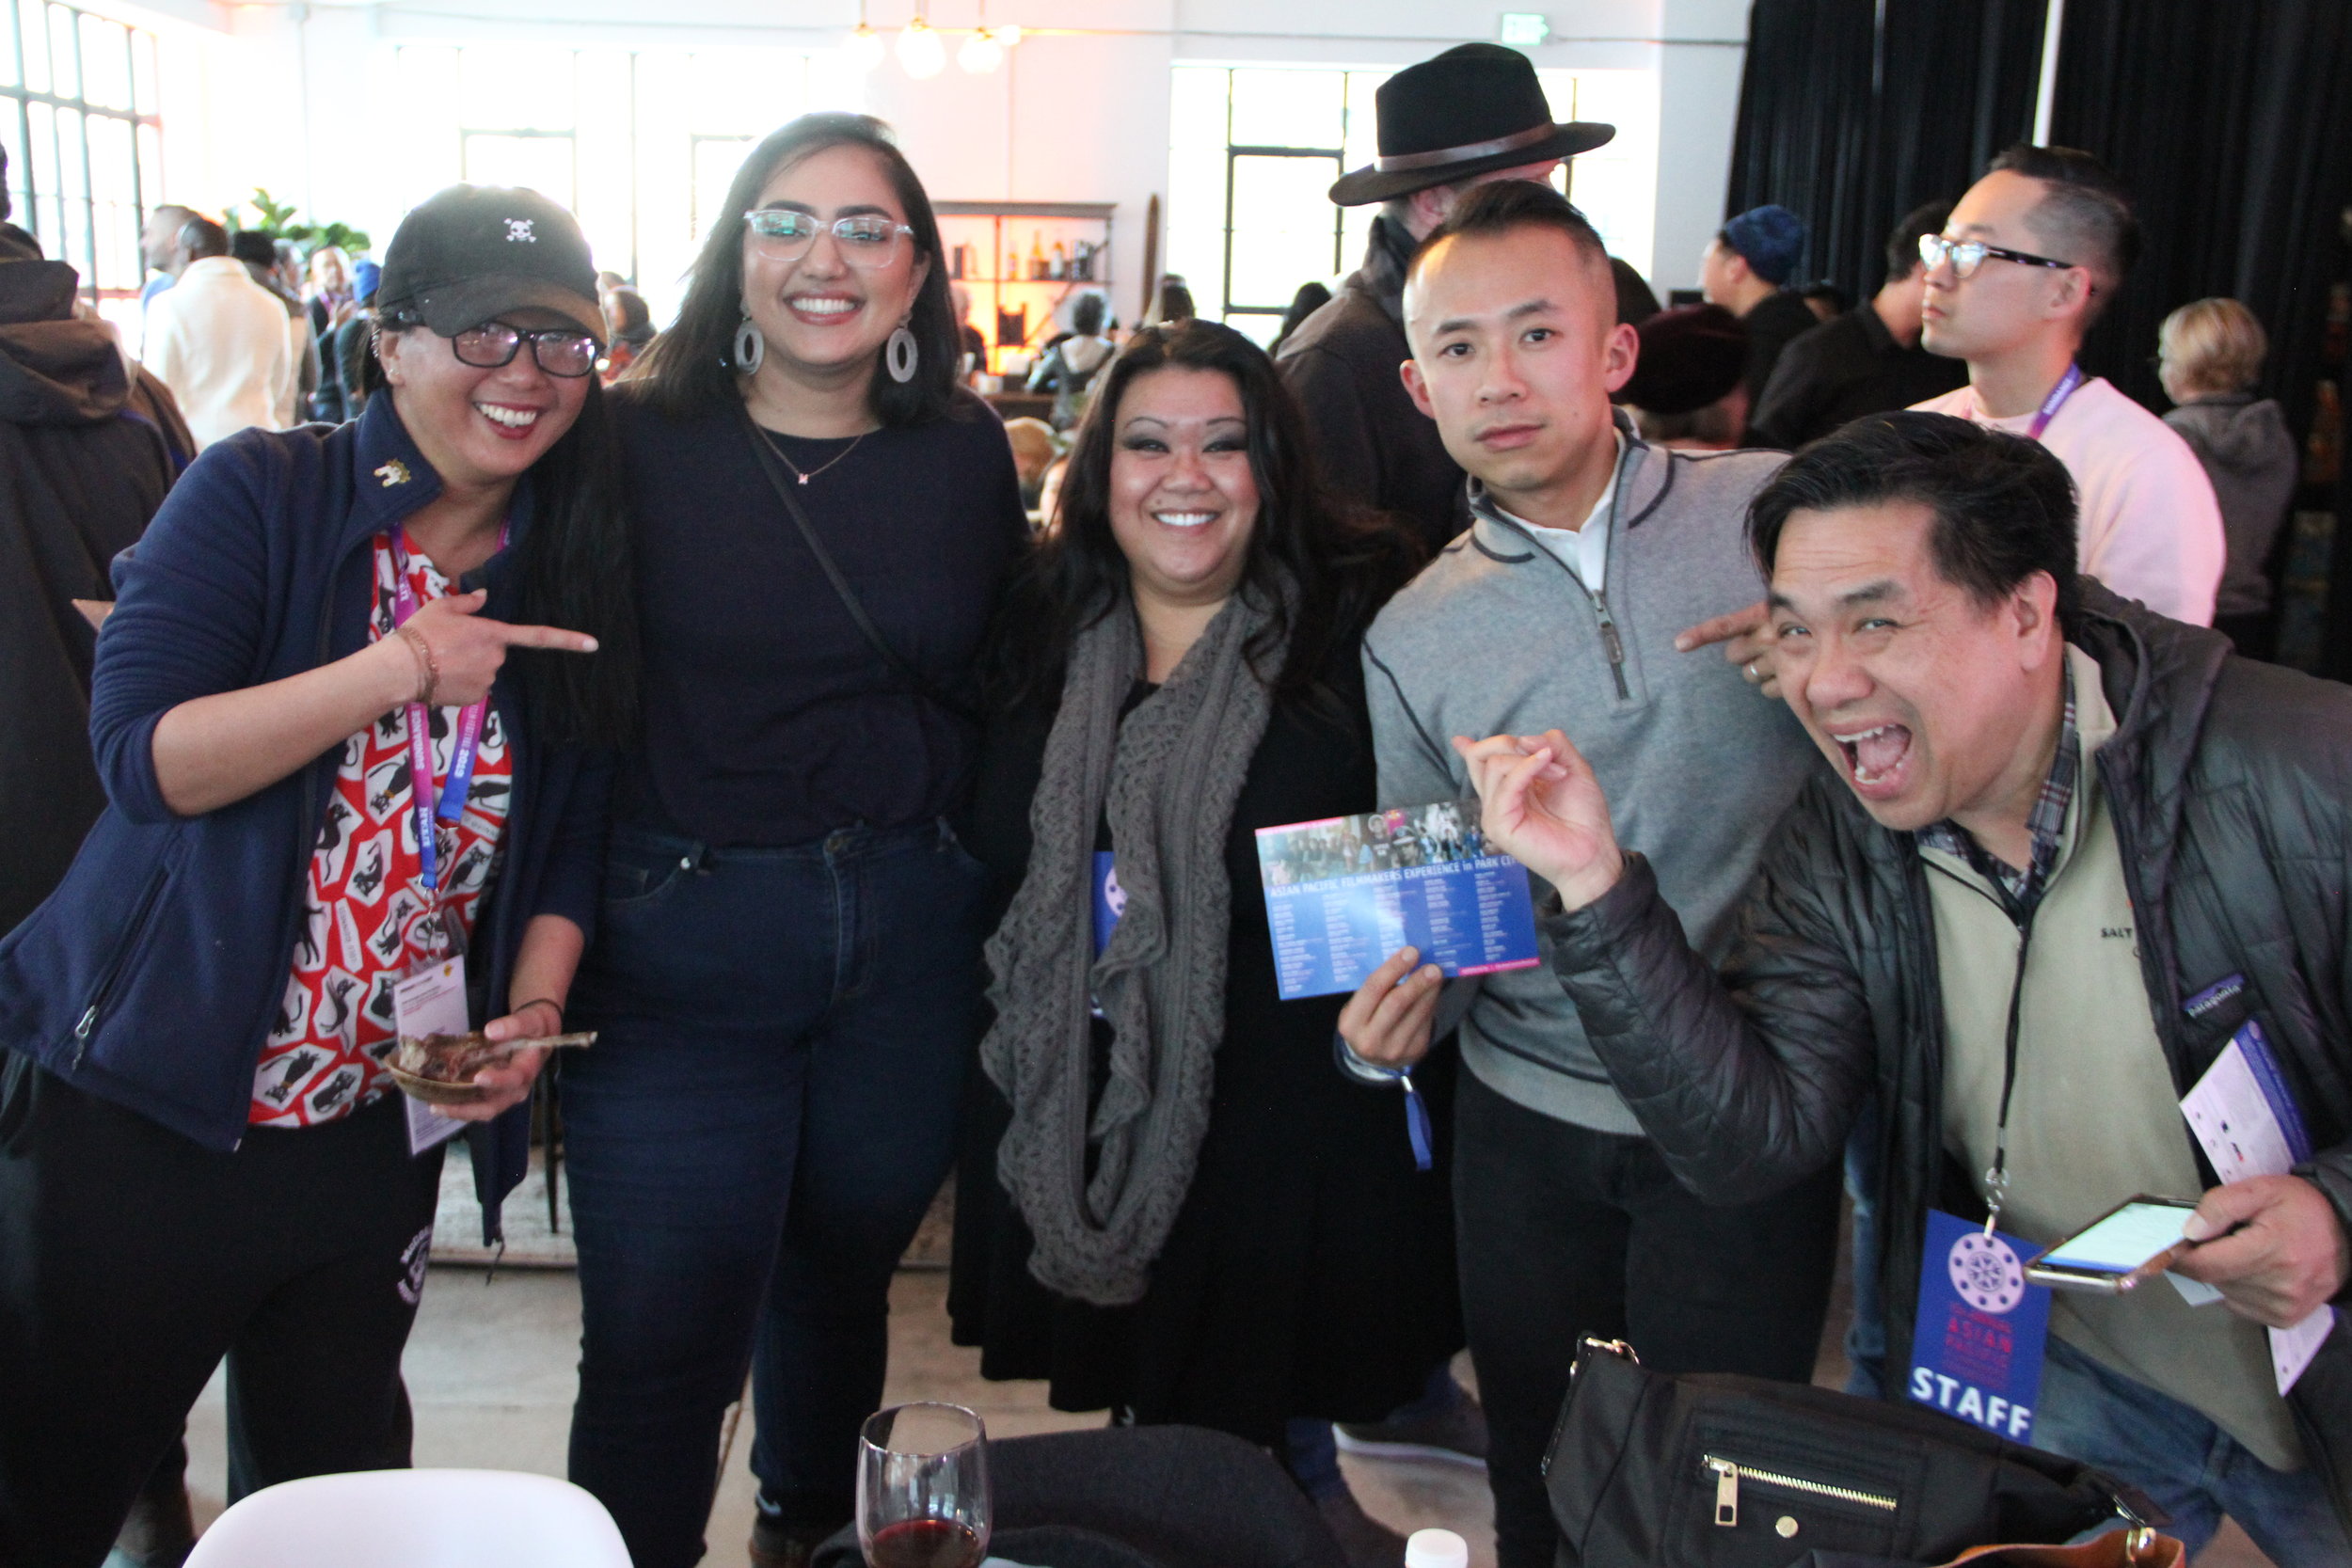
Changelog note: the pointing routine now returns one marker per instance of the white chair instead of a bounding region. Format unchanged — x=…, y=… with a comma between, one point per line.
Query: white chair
x=415, y=1519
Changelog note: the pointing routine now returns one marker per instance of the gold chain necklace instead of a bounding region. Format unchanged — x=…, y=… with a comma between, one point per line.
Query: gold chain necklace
x=774, y=442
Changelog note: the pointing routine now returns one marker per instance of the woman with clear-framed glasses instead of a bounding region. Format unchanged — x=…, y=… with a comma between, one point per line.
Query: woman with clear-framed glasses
x=354, y=709
x=786, y=978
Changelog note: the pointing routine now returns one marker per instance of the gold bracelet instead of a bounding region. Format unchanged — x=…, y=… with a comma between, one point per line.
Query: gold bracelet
x=428, y=668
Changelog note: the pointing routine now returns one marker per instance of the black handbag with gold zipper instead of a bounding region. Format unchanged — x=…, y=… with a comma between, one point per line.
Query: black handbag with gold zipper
x=1719, y=1471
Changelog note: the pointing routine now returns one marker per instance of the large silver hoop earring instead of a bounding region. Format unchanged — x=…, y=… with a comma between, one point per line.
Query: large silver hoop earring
x=750, y=347
x=900, y=353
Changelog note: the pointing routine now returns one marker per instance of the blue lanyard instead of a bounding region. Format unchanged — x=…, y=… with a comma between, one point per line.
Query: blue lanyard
x=2055, y=400
x=1416, y=1108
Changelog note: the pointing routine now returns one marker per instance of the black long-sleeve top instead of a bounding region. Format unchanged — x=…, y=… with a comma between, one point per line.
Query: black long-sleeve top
x=770, y=719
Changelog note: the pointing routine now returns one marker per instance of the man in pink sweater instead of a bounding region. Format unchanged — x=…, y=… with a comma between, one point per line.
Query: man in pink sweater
x=2030, y=257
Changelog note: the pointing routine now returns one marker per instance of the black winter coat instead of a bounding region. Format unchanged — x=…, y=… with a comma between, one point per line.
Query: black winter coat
x=2230, y=787
x=87, y=448
x=1374, y=447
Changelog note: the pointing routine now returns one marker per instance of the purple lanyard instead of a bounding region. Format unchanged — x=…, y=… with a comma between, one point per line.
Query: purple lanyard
x=2055, y=400
x=461, y=760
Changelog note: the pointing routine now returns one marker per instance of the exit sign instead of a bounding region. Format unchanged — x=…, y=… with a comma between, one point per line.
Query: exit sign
x=1524, y=29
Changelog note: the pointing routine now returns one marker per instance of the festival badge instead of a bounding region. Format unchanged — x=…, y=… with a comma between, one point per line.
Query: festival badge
x=1977, y=1348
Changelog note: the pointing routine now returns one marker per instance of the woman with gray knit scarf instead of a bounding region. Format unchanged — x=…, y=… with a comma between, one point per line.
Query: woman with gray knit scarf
x=1169, y=1202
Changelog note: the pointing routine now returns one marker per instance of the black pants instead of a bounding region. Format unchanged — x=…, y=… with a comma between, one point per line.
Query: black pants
x=132, y=1260
x=1566, y=1232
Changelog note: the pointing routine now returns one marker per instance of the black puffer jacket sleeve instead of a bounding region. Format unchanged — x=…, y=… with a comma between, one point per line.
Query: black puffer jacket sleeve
x=1748, y=1082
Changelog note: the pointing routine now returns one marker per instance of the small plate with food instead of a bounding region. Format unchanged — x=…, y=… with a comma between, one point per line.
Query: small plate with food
x=439, y=1069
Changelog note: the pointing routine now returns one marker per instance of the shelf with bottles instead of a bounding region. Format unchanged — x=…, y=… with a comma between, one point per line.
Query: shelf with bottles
x=1005, y=252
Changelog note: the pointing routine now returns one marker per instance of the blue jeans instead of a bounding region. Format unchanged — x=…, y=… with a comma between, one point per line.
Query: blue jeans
x=2190, y=1467
x=753, y=1141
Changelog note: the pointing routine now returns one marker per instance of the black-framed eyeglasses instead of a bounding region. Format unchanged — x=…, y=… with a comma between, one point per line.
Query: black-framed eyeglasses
x=565, y=351
x=869, y=240
x=1966, y=256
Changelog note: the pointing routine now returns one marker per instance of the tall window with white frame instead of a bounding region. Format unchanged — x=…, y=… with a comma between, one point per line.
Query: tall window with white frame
x=78, y=116
x=640, y=144
x=1254, y=148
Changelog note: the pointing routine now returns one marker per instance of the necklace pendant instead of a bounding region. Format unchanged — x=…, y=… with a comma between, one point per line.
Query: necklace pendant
x=804, y=479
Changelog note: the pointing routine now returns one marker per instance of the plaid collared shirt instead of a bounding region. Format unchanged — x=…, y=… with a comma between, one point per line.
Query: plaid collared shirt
x=2022, y=889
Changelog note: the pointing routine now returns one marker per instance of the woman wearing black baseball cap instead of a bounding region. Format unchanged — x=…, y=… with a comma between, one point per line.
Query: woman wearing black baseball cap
x=787, y=977
x=339, y=813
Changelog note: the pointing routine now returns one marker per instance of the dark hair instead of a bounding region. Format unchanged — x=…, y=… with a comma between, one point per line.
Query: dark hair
x=1086, y=315
x=1176, y=302
x=1828, y=292
x=1637, y=302
x=2004, y=506
x=575, y=567
x=1345, y=564
x=1902, y=240
x=1503, y=205
x=253, y=247
x=202, y=238
x=692, y=366
x=631, y=305
x=1310, y=298
x=2084, y=210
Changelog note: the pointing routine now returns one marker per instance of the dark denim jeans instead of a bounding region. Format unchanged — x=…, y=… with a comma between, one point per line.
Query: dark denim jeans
x=753, y=1141
x=2193, y=1469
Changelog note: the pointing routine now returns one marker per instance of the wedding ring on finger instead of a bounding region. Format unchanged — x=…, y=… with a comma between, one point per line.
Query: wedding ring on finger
x=1748, y=671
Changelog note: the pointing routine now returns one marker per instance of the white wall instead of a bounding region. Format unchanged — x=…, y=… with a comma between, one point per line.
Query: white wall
x=277, y=95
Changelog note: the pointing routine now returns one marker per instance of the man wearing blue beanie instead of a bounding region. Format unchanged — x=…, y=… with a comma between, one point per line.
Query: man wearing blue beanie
x=1745, y=269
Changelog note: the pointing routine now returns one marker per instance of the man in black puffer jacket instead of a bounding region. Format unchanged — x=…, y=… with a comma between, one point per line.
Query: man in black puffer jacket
x=2065, y=823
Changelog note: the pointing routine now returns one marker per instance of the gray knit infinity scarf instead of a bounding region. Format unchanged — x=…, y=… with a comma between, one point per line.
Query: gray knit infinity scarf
x=1167, y=778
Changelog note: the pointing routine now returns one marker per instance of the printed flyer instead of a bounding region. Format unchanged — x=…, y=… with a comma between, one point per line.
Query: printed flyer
x=1343, y=893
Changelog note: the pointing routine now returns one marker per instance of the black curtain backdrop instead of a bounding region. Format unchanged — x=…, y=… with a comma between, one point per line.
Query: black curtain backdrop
x=1851, y=122
x=1804, y=133
x=2231, y=124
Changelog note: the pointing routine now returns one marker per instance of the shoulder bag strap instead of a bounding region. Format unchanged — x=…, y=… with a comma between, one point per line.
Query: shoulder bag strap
x=907, y=676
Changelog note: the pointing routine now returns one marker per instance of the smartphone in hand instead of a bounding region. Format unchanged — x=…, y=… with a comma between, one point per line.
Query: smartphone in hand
x=2102, y=1255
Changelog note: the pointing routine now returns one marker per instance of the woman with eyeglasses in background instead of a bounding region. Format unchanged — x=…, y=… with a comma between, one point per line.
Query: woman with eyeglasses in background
x=331, y=792
x=787, y=977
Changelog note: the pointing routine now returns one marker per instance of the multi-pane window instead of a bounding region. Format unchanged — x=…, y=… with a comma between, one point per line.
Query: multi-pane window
x=78, y=116
x=641, y=145
x=1254, y=148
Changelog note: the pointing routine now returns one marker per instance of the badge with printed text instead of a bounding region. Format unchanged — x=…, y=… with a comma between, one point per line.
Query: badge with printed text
x=1977, y=1346
x=2247, y=1121
x=1110, y=899
x=430, y=999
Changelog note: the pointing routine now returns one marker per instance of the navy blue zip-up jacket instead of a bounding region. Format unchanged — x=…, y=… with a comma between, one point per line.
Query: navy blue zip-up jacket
x=153, y=974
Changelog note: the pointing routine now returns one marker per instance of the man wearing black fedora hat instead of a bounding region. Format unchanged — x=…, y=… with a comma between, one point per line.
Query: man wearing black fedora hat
x=1475, y=114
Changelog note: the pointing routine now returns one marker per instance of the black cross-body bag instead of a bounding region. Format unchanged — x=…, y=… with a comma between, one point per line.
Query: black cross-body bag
x=906, y=674
x=1720, y=1471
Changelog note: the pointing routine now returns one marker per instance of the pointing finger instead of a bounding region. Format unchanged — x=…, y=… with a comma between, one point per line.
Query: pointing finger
x=1719, y=628
x=549, y=637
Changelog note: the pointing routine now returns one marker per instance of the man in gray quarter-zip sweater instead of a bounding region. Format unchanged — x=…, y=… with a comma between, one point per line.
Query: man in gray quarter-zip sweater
x=1588, y=551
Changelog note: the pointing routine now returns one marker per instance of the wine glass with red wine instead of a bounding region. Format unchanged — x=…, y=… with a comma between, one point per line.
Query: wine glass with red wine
x=922, y=1487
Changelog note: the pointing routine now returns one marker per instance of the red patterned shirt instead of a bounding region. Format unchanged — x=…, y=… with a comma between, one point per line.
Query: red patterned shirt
x=366, y=903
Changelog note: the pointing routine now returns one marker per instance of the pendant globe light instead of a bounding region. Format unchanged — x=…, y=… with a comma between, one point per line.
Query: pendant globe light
x=862, y=49
x=920, y=49
x=983, y=52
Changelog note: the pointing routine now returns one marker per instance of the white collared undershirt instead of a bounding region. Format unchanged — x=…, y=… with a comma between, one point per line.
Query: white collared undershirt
x=1584, y=550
